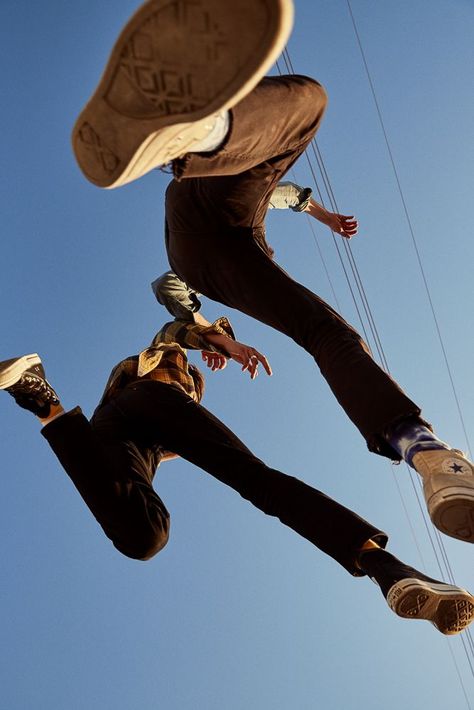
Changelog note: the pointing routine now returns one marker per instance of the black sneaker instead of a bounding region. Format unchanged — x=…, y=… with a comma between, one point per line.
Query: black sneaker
x=413, y=595
x=24, y=378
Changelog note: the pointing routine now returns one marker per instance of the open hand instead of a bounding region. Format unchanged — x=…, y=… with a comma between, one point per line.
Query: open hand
x=345, y=225
x=248, y=357
x=215, y=361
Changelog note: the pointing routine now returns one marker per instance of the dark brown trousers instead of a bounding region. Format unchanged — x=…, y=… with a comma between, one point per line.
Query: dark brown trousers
x=215, y=214
x=112, y=461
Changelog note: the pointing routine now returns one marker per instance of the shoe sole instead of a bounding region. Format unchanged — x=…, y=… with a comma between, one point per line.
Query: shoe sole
x=452, y=512
x=12, y=370
x=175, y=63
x=449, y=608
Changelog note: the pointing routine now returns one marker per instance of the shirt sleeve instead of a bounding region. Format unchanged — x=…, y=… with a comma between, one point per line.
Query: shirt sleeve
x=191, y=336
x=289, y=195
x=176, y=296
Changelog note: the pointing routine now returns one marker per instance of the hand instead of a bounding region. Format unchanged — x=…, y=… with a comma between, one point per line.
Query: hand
x=345, y=225
x=248, y=357
x=215, y=361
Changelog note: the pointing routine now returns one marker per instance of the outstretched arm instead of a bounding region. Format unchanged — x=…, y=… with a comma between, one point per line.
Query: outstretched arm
x=289, y=195
x=345, y=225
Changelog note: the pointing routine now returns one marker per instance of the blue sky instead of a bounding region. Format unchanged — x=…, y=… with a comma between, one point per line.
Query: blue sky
x=237, y=611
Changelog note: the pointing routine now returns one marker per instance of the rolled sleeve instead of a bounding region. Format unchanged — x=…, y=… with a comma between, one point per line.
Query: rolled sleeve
x=191, y=336
x=176, y=296
x=290, y=196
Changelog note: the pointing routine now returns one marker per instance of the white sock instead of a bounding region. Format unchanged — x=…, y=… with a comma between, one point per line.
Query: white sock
x=216, y=135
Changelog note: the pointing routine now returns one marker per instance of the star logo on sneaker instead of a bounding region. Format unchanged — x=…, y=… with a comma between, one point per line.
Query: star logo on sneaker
x=457, y=466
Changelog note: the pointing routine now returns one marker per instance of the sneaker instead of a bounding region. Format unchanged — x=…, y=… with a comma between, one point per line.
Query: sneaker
x=448, y=486
x=174, y=67
x=412, y=595
x=24, y=378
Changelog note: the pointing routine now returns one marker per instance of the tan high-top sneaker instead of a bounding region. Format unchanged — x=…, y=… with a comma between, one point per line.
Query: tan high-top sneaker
x=175, y=65
x=448, y=485
x=413, y=595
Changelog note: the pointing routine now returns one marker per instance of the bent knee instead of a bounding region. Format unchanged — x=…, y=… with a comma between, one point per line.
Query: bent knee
x=311, y=90
x=144, y=546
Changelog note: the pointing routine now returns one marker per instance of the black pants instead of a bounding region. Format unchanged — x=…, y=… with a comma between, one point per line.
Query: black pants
x=112, y=460
x=215, y=240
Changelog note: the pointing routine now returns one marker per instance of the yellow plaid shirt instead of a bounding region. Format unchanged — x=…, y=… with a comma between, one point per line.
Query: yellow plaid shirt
x=165, y=358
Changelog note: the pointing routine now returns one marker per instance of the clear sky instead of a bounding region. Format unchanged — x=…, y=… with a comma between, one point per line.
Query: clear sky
x=237, y=611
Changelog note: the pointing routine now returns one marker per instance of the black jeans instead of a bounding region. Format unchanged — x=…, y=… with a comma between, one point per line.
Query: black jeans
x=112, y=462
x=215, y=241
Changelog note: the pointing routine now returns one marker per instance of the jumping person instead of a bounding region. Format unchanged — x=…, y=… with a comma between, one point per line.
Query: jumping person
x=151, y=411
x=185, y=87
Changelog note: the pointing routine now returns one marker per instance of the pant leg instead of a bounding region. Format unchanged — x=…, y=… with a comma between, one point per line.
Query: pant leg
x=114, y=477
x=231, y=187
x=191, y=431
x=278, y=117
x=215, y=244
x=231, y=268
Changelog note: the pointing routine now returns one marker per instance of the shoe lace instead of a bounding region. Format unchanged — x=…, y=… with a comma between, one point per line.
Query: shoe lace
x=35, y=386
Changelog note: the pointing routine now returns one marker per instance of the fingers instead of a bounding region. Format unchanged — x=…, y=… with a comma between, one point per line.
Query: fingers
x=214, y=361
x=252, y=363
x=266, y=365
x=348, y=226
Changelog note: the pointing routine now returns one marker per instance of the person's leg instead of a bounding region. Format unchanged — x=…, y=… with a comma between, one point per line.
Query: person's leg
x=269, y=129
x=216, y=243
x=233, y=269
x=191, y=431
x=174, y=67
x=114, y=477
x=353, y=542
x=110, y=470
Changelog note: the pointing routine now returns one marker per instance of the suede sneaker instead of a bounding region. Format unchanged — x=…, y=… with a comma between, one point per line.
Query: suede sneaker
x=412, y=595
x=24, y=378
x=174, y=67
x=448, y=486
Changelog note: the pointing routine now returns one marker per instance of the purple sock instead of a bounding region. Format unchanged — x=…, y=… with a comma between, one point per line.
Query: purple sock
x=408, y=438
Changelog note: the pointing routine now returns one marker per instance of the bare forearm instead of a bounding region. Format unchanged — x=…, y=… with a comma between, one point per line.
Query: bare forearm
x=346, y=225
x=219, y=341
x=314, y=209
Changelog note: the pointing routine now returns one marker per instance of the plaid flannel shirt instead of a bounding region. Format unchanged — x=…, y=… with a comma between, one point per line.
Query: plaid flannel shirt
x=165, y=358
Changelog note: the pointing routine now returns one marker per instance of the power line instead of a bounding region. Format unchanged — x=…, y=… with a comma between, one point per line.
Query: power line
x=466, y=638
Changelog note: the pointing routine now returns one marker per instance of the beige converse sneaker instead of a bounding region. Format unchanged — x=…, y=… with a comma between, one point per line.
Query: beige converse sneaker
x=448, y=485
x=413, y=595
x=175, y=65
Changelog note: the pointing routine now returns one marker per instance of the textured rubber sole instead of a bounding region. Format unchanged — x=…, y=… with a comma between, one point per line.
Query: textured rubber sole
x=12, y=370
x=452, y=511
x=175, y=65
x=450, y=609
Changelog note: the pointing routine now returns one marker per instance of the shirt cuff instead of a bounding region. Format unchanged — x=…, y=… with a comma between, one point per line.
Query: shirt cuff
x=303, y=200
x=221, y=326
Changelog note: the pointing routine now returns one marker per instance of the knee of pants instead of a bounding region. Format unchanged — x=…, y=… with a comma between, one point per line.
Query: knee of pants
x=311, y=92
x=146, y=545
